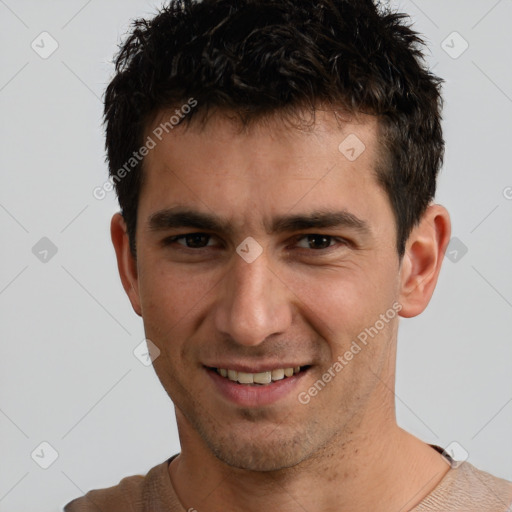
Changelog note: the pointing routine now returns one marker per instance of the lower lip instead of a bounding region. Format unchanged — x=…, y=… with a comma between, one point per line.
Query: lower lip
x=258, y=395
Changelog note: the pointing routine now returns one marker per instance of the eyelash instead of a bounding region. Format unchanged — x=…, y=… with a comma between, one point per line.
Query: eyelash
x=170, y=240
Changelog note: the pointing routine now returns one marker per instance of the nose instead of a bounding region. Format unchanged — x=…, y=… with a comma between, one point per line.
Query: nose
x=253, y=303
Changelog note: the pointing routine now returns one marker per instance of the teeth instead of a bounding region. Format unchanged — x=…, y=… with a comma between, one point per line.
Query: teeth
x=263, y=378
x=245, y=378
x=288, y=372
x=278, y=374
x=258, y=378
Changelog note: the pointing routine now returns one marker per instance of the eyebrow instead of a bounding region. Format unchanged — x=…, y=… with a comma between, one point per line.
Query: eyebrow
x=178, y=217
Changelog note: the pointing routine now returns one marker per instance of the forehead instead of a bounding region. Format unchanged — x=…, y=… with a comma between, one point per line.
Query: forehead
x=278, y=138
x=267, y=168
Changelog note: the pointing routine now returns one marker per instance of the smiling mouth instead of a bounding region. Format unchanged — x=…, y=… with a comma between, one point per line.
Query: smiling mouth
x=261, y=378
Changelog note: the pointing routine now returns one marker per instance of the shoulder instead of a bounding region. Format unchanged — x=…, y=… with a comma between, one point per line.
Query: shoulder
x=121, y=497
x=467, y=488
x=131, y=494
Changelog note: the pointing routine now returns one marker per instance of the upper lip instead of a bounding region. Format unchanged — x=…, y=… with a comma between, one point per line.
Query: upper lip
x=254, y=368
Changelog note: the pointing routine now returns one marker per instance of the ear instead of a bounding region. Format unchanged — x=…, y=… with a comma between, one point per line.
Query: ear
x=126, y=263
x=421, y=264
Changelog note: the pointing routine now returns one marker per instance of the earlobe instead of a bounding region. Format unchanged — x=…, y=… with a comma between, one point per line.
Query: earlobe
x=126, y=263
x=423, y=260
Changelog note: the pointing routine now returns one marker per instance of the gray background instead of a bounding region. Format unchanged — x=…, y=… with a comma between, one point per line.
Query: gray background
x=68, y=373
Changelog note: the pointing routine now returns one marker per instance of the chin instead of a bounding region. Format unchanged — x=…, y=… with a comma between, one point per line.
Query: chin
x=255, y=441
x=257, y=458
x=262, y=452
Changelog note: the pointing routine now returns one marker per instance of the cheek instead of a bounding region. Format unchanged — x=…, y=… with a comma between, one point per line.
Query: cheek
x=167, y=297
x=342, y=302
x=174, y=299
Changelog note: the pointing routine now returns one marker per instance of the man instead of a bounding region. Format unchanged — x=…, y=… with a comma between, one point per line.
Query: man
x=276, y=163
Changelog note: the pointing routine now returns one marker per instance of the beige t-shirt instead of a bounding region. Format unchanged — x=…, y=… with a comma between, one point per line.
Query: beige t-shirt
x=464, y=488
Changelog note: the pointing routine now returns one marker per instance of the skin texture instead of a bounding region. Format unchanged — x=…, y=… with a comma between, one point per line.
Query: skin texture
x=303, y=300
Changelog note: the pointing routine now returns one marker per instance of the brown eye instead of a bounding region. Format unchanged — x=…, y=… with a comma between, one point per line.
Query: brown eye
x=190, y=240
x=196, y=240
x=317, y=241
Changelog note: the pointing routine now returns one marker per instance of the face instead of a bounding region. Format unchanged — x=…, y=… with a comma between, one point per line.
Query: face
x=259, y=251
